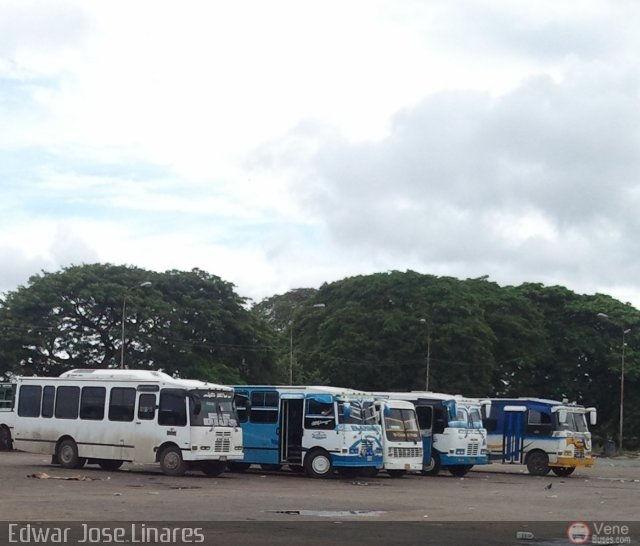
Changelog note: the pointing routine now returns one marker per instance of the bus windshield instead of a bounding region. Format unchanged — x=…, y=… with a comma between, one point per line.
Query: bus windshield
x=574, y=422
x=360, y=412
x=212, y=408
x=401, y=425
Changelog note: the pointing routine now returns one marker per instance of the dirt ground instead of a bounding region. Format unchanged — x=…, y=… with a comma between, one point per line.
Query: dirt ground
x=610, y=491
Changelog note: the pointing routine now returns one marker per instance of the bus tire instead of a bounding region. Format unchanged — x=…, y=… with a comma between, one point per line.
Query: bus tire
x=538, y=463
x=6, y=444
x=171, y=461
x=433, y=468
x=317, y=464
x=110, y=464
x=238, y=467
x=67, y=454
x=459, y=470
x=396, y=473
x=563, y=471
x=213, y=468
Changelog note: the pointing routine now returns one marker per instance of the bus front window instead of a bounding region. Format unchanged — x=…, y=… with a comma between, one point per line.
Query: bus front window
x=360, y=412
x=401, y=425
x=212, y=408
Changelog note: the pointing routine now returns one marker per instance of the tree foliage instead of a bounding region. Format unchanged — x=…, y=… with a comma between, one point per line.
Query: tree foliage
x=190, y=323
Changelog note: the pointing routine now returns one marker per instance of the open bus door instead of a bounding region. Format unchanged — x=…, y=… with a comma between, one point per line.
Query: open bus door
x=513, y=434
x=291, y=421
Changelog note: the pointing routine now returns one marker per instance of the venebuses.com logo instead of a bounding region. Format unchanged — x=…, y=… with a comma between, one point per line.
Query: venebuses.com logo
x=579, y=532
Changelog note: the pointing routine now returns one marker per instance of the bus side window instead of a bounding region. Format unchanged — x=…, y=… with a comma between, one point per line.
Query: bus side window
x=490, y=424
x=122, y=401
x=173, y=408
x=48, y=396
x=319, y=415
x=92, y=403
x=29, y=401
x=264, y=406
x=425, y=417
x=241, y=400
x=439, y=421
x=147, y=406
x=67, y=402
x=539, y=423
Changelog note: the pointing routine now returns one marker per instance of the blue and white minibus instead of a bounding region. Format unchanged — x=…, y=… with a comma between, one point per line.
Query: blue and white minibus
x=452, y=432
x=542, y=434
x=310, y=429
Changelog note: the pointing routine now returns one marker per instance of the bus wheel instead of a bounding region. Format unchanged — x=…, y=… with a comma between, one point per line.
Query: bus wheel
x=110, y=464
x=459, y=470
x=538, y=463
x=238, y=467
x=433, y=467
x=563, y=471
x=396, y=473
x=317, y=464
x=171, y=462
x=5, y=439
x=67, y=455
x=213, y=468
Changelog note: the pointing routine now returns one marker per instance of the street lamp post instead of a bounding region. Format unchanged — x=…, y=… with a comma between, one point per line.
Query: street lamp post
x=428, y=323
x=124, y=309
x=315, y=306
x=625, y=331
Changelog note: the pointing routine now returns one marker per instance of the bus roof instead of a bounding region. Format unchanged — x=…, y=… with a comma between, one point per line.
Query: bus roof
x=545, y=401
x=115, y=375
x=308, y=389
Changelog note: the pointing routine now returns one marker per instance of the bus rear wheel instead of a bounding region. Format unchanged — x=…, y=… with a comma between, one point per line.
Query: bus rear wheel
x=317, y=464
x=5, y=439
x=563, y=471
x=171, y=462
x=213, y=468
x=110, y=464
x=538, y=463
x=67, y=454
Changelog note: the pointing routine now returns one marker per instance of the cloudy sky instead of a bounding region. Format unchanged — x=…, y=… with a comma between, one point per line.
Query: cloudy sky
x=283, y=144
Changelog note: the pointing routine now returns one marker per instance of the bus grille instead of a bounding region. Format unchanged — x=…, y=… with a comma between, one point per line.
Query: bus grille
x=472, y=450
x=222, y=443
x=401, y=452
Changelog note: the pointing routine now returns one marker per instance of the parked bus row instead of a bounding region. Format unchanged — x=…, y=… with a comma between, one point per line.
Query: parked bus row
x=106, y=417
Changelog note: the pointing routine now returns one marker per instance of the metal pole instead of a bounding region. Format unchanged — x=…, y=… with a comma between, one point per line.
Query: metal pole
x=428, y=357
x=624, y=332
x=291, y=353
x=124, y=306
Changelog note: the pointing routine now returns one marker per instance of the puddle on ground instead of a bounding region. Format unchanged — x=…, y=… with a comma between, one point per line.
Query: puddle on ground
x=330, y=513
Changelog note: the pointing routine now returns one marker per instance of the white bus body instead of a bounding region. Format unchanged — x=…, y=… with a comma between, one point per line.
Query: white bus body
x=7, y=416
x=401, y=439
x=111, y=416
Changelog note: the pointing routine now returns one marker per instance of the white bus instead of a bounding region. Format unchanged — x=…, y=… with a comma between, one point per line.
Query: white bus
x=401, y=439
x=6, y=416
x=106, y=417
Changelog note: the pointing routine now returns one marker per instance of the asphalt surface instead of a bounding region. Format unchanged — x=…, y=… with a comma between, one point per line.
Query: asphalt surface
x=260, y=507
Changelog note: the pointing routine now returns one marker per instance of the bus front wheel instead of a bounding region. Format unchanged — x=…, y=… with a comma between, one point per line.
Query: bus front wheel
x=5, y=439
x=433, y=467
x=317, y=464
x=67, y=455
x=171, y=462
x=538, y=463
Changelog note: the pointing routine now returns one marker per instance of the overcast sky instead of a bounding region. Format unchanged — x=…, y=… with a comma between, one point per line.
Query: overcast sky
x=283, y=144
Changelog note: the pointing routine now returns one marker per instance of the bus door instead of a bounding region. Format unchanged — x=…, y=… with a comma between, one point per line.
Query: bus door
x=146, y=426
x=291, y=420
x=513, y=434
x=425, y=422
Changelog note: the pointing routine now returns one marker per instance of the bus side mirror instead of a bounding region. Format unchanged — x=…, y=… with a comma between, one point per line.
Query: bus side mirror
x=593, y=416
x=346, y=409
x=562, y=416
x=386, y=411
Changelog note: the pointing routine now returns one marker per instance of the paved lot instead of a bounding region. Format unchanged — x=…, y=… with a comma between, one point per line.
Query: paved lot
x=608, y=492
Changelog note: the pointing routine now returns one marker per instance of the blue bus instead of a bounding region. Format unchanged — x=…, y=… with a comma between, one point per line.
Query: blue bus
x=315, y=430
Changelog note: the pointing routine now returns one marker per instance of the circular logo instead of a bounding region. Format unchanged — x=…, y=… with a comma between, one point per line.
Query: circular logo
x=578, y=533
